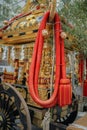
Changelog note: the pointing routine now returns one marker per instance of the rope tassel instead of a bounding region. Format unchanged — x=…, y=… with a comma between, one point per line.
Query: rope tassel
x=65, y=89
x=65, y=93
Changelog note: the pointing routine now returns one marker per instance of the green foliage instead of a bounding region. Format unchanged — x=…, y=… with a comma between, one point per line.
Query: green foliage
x=75, y=11
x=8, y=9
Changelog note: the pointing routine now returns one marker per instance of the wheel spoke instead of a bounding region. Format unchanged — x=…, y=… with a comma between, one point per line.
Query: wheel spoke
x=12, y=111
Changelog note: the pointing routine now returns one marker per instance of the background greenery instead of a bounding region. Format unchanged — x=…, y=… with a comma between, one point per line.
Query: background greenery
x=75, y=13
x=9, y=8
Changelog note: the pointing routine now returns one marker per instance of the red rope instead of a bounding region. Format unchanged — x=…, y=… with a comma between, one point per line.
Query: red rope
x=85, y=83
x=63, y=60
x=35, y=65
x=35, y=68
x=81, y=68
x=65, y=89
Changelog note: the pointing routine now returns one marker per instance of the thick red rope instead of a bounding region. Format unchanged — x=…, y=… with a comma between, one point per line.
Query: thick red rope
x=81, y=69
x=36, y=60
x=85, y=81
x=35, y=68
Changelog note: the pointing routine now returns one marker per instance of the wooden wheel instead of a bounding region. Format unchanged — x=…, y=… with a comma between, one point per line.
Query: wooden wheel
x=14, y=113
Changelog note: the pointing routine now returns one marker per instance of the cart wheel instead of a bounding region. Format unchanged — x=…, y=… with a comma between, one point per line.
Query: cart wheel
x=67, y=114
x=14, y=113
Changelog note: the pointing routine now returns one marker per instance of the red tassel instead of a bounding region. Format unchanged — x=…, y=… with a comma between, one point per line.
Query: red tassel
x=85, y=88
x=65, y=89
x=65, y=92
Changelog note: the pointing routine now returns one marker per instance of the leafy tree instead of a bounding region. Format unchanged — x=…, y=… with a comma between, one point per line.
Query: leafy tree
x=8, y=9
x=75, y=12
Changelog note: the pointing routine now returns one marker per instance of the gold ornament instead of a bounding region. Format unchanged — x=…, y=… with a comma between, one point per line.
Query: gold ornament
x=45, y=33
x=5, y=22
x=42, y=5
x=31, y=20
x=63, y=35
